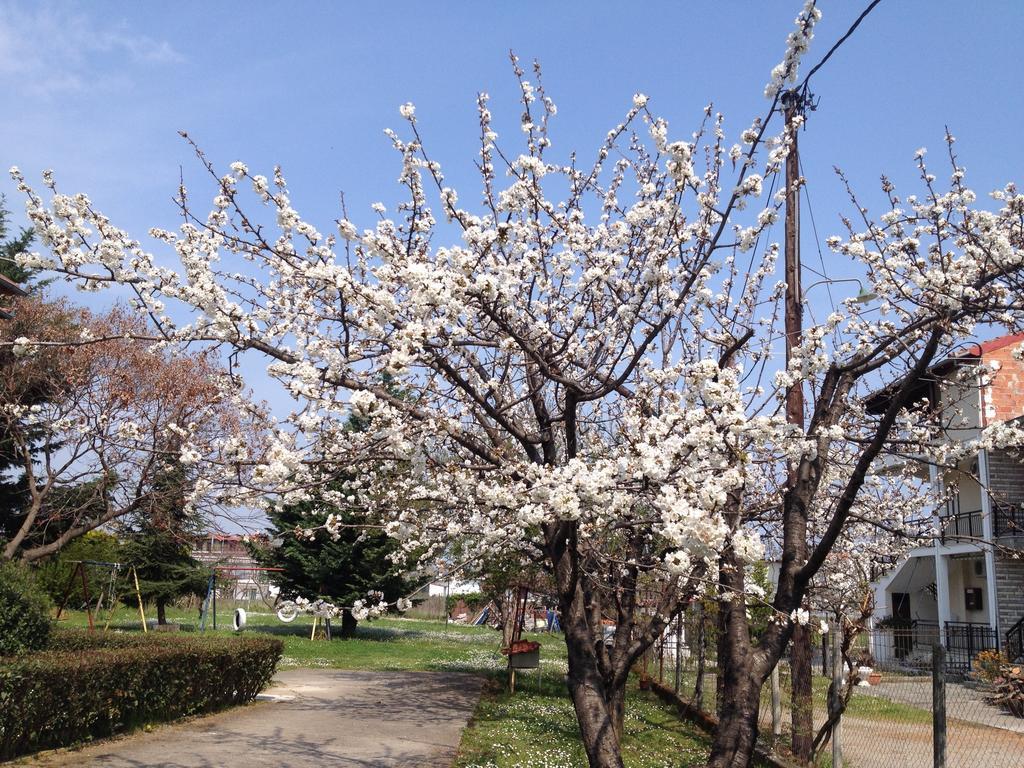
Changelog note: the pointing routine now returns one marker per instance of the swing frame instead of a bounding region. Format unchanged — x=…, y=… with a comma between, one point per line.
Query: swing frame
x=211, y=589
x=81, y=571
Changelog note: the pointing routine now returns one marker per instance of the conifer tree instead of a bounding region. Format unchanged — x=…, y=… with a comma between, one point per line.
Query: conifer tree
x=159, y=543
x=340, y=571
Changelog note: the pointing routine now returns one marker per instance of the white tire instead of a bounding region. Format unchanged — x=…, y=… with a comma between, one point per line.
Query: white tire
x=240, y=620
x=287, y=613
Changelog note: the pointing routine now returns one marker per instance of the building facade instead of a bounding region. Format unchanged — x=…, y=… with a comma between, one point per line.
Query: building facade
x=237, y=577
x=966, y=588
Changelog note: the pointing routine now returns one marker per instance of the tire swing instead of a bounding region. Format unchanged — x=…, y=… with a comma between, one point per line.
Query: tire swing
x=239, y=621
x=287, y=613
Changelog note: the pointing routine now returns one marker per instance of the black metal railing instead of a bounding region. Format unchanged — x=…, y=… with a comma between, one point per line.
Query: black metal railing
x=1009, y=520
x=1014, y=645
x=912, y=638
x=964, y=641
x=958, y=524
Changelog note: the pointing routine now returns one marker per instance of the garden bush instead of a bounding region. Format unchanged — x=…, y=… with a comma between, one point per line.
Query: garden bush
x=90, y=685
x=24, y=611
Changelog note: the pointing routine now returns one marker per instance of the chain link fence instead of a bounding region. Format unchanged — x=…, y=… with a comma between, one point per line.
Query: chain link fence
x=919, y=699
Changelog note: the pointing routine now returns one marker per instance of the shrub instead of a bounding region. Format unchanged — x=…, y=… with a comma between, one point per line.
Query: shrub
x=988, y=665
x=24, y=611
x=90, y=685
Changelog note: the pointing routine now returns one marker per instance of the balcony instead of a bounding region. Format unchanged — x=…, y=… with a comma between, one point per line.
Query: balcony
x=960, y=525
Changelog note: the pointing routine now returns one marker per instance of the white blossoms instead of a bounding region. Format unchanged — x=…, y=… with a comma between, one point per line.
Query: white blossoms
x=22, y=347
x=747, y=546
x=407, y=110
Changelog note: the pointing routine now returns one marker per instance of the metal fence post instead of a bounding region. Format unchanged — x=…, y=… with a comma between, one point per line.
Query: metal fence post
x=679, y=652
x=837, y=685
x=776, y=707
x=661, y=658
x=938, y=706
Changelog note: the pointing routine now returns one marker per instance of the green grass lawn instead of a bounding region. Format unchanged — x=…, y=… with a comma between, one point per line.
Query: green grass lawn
x=536, y=728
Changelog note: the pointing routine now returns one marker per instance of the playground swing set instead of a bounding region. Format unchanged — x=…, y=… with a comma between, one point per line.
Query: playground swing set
x=239, y=616
x=108, y=591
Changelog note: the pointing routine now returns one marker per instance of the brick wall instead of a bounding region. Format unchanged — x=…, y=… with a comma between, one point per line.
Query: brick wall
x=1009, y=591
x=1003, y=398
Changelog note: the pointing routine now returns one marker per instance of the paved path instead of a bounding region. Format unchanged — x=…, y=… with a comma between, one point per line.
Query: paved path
x=312, y=718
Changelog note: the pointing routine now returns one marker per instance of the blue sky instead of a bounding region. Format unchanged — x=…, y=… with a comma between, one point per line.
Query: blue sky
x=97, y=91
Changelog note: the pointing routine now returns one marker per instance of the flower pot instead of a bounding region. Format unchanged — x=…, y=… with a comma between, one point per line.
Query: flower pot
x=875, y=678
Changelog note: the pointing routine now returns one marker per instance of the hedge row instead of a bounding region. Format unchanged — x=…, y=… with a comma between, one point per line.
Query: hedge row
x=91, y=685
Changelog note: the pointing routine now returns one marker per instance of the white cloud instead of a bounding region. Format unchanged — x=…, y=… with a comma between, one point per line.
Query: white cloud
x=48, y=50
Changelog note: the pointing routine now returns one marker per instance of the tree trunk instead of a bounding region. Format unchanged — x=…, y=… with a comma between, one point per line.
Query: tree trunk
x=161, y=612
x=348, y=624
x=733, y=745
x=617, y=710
x=739, y=673
x=509, y=602
x=597, y=724
x=801, y=698
x=590, y=696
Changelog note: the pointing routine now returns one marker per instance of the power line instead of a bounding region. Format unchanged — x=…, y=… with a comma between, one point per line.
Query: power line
x=817, y=239
x=803, y=87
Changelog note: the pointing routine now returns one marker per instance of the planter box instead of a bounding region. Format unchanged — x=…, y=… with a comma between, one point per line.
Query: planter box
x=526, y=660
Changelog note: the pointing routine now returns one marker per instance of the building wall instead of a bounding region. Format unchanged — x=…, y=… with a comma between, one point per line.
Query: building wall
x=961, y=576
x=959, y=402
x=1003, y=397
x=1006, y=478
x=1010, y=588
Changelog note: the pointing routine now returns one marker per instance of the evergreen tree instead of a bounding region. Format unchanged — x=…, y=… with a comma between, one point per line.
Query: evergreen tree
x=159, y=544
x=340, y=571
x=10, y=247
x=13, y=486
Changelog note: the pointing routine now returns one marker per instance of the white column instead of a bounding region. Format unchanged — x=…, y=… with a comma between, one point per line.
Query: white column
x=942, y=590
x=941, y=563
x=988, y=532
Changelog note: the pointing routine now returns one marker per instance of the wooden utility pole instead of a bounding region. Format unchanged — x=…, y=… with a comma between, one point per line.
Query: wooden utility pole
x=794, y=301
x=800, y=652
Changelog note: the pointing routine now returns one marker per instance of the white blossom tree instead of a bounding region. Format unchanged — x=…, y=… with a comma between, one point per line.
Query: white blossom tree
x=588, y=366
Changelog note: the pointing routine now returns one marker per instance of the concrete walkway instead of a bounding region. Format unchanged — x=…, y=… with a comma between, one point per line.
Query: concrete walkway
x=310, y=718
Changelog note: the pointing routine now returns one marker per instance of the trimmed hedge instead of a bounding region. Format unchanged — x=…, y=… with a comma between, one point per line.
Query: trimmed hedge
x=91, y=685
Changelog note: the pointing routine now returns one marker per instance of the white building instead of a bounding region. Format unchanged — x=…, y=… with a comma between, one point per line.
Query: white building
x=962, y=588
